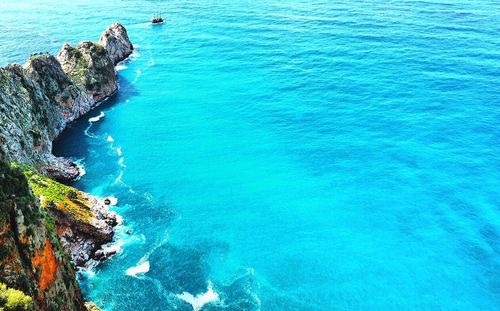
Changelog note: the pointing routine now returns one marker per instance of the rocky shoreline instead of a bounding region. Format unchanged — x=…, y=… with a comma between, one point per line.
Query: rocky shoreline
x=37, y=101
x=49, y=92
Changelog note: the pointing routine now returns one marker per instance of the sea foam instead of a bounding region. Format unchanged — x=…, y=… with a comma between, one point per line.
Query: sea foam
x=81, y=168
x=96, y=118
x=139, y=269
x=198, y=301
x=120, y=67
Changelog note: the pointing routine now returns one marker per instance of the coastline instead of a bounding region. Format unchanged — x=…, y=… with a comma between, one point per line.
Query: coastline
x=38, y=100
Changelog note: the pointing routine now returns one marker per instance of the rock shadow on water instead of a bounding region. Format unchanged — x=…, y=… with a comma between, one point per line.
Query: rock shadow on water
x=127, y=89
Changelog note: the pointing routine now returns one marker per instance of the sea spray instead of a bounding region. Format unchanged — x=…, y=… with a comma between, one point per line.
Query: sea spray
x=81, y=168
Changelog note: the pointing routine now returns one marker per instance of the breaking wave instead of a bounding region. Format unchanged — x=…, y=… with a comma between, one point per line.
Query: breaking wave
x=120, y=67
x=141, y=268
x=198, y=301
x=96, y=118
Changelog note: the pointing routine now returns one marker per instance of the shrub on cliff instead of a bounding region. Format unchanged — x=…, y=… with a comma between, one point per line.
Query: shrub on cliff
x=14, y=300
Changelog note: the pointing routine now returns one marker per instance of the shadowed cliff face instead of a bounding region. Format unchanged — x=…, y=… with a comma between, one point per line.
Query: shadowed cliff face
x=38, y=99
x=31, y=255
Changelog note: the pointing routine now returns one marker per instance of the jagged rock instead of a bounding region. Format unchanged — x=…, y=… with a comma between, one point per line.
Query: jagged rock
x=84, y=223
x=115, y=40
x=71, y=101
x=84, y=239
x=36, y=102
x=60, y=169
x=104, y=253
x=90, y=68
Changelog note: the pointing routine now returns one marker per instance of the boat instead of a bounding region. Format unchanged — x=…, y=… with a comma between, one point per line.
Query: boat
x=157, y=19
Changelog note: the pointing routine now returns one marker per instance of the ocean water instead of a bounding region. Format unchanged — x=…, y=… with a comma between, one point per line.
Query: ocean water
x=290, y=155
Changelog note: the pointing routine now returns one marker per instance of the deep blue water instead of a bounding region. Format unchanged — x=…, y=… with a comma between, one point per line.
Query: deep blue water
x=295, y=155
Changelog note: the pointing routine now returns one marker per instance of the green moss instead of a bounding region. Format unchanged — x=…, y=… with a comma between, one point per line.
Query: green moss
x=13, y=299
x=54, y=195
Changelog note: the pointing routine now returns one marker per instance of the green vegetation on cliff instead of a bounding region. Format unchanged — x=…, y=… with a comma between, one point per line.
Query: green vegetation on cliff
x=90, y=68
x=37, y=101
x=14, y=300
x=53, y=194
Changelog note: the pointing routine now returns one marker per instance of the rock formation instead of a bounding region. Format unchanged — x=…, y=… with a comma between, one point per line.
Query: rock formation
x=34, y=110
x=88, y=65
x=115, y=40
x=83, y=222
x=38, y=99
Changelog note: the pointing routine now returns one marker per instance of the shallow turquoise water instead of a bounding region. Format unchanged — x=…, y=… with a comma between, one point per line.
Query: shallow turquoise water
x=296, y=155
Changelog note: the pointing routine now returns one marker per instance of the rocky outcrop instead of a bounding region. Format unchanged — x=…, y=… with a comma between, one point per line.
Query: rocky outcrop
x=115, y=40
x=84, y=223
x=39, y=99
x=36, y=102
x=70, y=100
x=31, y=256
x=89, y=66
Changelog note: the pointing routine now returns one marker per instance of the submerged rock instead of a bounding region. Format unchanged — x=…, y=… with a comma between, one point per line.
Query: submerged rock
x=115, y=40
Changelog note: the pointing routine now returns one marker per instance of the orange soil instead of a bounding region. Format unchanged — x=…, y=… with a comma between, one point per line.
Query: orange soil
x=47, y=263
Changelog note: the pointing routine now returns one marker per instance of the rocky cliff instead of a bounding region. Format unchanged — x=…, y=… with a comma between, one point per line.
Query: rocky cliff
x=32, y=258
x=88, y=65
x=38, y=99
x=115, y=40
x=83, y=222
x=40, y=234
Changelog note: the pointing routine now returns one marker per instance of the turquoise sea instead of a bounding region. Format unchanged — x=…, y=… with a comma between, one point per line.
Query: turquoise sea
x=290, y=155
